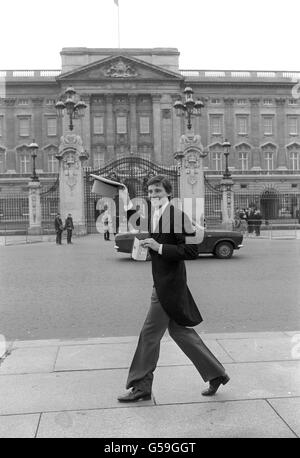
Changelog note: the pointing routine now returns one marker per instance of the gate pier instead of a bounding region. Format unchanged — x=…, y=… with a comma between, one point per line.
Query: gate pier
x=71, y=156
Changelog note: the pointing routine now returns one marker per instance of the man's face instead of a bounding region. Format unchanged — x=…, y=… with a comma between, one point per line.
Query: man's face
x=157, y=194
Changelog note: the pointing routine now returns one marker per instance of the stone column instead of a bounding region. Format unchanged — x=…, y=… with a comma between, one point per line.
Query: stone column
x=110, y=131
x=156, y=127
x=37, y=127
x=71, y=156
x=176, y=123
x=35, y=212
x=227, y=204
x=85, y=121
x=10, y=132
x=280, y=134
x=255, y=133
x=229, y=120
x=133, y=124
x=192, y=189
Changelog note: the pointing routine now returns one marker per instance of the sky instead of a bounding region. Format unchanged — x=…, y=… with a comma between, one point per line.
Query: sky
x=210, y=35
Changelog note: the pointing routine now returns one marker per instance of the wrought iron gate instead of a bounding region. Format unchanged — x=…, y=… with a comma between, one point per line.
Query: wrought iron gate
x=49, y=204
x=134, y=172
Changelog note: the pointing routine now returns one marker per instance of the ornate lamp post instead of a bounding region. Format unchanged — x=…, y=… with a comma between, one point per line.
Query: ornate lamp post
x=226, y=145
x=33, y=151
x=72, y=104
x=189, y=108
x=35, y=213
x=228, y=197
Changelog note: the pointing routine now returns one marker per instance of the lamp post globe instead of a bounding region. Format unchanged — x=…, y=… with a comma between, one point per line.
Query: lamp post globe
x=189, y=107
x=73, y=106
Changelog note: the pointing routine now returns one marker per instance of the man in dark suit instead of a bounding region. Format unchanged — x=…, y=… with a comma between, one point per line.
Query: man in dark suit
x=58, y=224
x=69, y=226
x=172, y=305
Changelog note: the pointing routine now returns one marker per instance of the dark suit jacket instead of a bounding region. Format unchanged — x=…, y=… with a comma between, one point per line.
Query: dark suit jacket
x=168, y=269
x=58, y=224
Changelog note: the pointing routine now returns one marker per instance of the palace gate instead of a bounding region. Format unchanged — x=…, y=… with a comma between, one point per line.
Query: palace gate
x=134, y=172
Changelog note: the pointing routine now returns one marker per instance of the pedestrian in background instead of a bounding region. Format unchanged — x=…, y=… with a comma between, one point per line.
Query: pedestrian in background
x=58, y=224
x=257, y=220
x=69, y=226
x=106, y=219
x=172, y=305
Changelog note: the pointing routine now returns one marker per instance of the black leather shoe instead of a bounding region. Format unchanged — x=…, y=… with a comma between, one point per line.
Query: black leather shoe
x=214, y=385
x=135, y=395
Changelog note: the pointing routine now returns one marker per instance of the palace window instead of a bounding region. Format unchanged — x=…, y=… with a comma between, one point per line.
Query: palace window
x=121, y=125
x=50, y=101
x=2, y=162
x=292, y=101
x=243, y=158
x=294, y=159
x=242, y=101
x=24, y=127
x=144, y=125
x=269, y=160
x=216, y=124
x=98, y=160
x=217, y=161
x=23, y=102
x=98, y=127
x=268, y=102
x=215, y=101
x=268, y=125
x=292, y=125
x=1, y=126
x=25, y=163
x=52, y=163
x=242, y=124
x=51, y=127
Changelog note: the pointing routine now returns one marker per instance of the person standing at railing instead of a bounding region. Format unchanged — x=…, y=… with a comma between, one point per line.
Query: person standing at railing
x=69, y=226
x=58, y=224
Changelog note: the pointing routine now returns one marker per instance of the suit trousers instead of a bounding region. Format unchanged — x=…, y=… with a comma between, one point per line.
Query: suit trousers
x=147, y=352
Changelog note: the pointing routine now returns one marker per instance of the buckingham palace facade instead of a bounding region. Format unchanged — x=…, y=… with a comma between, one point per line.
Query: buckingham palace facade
x=130, y=95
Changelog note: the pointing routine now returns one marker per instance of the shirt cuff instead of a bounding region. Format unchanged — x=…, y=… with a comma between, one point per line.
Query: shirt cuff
x=160, y=249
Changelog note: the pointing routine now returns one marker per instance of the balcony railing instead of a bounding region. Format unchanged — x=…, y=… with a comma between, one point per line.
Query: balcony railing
x=235, y=74
x=191, y=74
x=8, y=74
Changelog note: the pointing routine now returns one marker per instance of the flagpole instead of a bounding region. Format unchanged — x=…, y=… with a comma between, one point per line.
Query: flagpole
x=118, y=24
x=118, y=6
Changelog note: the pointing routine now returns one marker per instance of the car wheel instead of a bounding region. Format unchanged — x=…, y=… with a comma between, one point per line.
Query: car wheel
x=224, y=250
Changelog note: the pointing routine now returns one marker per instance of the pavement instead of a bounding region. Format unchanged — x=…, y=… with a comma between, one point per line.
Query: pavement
x=69, y=388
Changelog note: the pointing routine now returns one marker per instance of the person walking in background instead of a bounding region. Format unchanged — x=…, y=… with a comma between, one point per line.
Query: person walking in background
x=250, y=220
x=58, y=224
x=69, y=226
x=172, y=305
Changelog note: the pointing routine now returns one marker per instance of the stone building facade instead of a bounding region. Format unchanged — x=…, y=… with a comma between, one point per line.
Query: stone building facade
x=130, y=94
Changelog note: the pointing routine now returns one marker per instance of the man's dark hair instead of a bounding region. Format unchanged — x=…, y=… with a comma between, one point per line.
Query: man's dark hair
x=161, y=179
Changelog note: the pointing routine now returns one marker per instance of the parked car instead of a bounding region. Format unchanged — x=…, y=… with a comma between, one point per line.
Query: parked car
x=219, y=243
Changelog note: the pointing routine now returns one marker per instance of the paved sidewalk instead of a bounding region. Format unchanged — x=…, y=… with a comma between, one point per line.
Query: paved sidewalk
x=56, y=388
